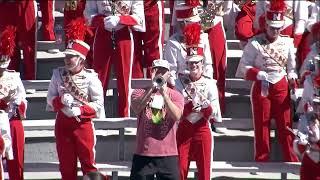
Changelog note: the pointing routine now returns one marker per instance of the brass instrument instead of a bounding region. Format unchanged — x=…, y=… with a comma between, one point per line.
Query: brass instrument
x=71, y=5
x=209, y=12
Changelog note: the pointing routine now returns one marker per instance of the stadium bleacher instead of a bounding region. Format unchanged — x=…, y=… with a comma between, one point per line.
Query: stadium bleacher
x=116, y=136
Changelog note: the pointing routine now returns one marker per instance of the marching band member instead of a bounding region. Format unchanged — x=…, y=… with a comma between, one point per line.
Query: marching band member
x=115, y=21
x=76, y=94
x=12, y=106
x=269, y=61
x=175, y=50
x=194, y=136
x=307, y=142
x=216, y=9
x=23, y=16
x=149, y=44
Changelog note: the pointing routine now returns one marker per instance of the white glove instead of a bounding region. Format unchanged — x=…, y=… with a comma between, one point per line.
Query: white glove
x=205, y=104
x=262, y=75
x=67, y=99
x=303, y=139
x=293, y=97
x=76, y=111
x=67, y=111
x=292, y=75
x=111, y=22
x=71, y=112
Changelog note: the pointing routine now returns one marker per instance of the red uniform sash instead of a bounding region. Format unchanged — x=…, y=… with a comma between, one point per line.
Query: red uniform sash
x=72, y=87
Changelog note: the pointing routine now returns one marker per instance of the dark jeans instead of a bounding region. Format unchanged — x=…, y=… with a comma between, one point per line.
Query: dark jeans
x=147, y=168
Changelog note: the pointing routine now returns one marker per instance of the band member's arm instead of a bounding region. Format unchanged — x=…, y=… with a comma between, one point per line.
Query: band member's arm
x=175, y=110
x=140, y=99
x=213, y=97
x=301, y=17
x=314, y=16
x=208, y=70
x=95, y=108
x=247, y=61
x=171, y=54
x=53, y=98
x=20, y=99
x=291, y=65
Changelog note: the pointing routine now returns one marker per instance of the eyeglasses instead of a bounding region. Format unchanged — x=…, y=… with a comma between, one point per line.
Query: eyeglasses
x=193, y=62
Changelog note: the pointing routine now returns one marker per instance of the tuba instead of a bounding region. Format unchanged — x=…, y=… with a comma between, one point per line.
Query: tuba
x=208, y=12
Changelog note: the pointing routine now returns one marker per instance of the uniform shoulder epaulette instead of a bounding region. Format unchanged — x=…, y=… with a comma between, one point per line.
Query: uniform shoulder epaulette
x=89, y=70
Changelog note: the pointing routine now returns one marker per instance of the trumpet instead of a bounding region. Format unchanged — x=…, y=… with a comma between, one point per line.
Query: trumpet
x=158, y=81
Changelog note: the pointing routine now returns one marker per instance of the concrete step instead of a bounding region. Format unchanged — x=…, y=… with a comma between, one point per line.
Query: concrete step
x=41, y=149
x=48, y=61
x=46, y=45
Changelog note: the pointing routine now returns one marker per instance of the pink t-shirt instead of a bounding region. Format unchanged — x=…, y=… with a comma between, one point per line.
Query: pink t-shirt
x=157, y=139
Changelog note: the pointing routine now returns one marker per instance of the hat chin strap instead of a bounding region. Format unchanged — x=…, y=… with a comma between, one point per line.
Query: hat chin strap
x=75, y=66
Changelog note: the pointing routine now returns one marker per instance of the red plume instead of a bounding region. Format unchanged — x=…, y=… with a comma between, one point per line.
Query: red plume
x=316, y=29
x=193, y=3
x=7, y=41
x=277, y=5
x=76, y=29
x=191, y=33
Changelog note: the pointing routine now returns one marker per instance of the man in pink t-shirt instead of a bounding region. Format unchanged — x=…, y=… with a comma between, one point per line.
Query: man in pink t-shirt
x=158, y=109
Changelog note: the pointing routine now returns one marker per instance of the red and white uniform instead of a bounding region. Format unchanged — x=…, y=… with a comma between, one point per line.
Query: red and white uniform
x=149, y=44
x=47, y=19
x=176, y=52
x=131, y=14
x=15, y=110
x=309, y=153
x=23, y=16
x=218, y=50
x=75, y=136
x=194, y=138
x=307, y=146
x=277, y=59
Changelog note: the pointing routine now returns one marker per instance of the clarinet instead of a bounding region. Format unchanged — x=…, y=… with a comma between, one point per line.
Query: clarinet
x=113, y=32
